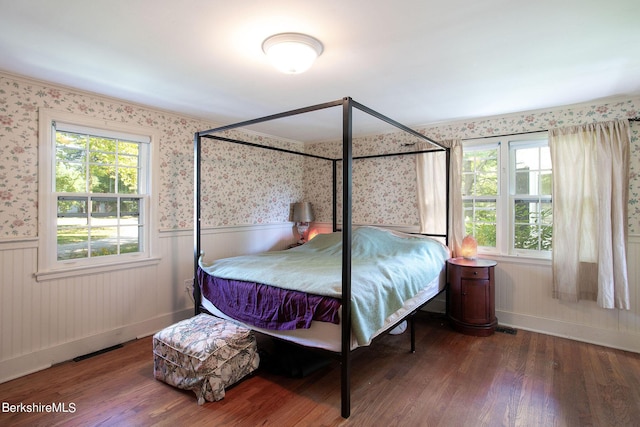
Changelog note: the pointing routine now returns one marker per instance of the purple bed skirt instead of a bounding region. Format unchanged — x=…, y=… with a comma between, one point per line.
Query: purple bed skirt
x=267, y=306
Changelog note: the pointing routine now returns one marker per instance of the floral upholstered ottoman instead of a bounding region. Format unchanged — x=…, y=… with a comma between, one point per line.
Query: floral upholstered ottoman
x=204, y=354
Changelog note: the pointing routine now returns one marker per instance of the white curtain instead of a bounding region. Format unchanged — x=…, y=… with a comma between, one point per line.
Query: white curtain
x=431, y=173
x=590, y=196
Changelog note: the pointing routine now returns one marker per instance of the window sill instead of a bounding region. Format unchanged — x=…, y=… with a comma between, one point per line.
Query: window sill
x=45, y=275
x=517, y=259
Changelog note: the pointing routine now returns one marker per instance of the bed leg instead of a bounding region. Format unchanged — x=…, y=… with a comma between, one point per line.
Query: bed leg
x=412, y=331
x=345, y=384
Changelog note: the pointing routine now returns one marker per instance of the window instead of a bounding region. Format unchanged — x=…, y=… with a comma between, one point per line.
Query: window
x=506, y=194
x=96, y=205
x=480, y=192
x=531, y=195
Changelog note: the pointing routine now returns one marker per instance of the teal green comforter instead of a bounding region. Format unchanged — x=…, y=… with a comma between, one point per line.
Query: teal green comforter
x=387, y=269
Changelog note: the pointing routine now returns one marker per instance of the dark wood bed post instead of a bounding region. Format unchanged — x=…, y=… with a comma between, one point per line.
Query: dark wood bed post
x=345, y=357
x=196, y=221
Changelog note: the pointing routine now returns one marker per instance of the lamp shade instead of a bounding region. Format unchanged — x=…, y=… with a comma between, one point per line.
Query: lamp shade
x=292, y=53
x=469, y=249
x=302, y=212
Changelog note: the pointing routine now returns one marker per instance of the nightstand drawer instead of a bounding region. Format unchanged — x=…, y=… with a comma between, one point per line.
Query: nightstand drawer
x=474, y=273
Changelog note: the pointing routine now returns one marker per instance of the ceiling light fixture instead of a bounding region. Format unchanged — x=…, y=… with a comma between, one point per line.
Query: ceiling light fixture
x=292, y=53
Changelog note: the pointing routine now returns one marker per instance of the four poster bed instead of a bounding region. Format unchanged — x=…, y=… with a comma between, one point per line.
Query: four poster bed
x=338, y=291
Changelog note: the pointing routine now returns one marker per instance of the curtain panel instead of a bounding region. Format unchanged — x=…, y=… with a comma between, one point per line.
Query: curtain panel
x=430, y=168
x=590, y=199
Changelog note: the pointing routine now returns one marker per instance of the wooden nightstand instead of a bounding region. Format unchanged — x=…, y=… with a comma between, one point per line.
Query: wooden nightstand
x=471, y=296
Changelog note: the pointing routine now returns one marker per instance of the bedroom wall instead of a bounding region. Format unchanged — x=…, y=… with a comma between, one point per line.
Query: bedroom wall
x=45, y=322
x=391, y=179
x=523, y=286
x=246, y=211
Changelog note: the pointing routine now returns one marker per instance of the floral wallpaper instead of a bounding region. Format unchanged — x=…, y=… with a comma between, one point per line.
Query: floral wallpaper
x=543, y=120
x=384, y=189
x=242, y=185
x=392, y=180
x=237, y=175
x=248, y=185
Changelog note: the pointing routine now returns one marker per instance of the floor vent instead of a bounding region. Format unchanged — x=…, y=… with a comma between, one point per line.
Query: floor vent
x=95, y=353
x=506, y=330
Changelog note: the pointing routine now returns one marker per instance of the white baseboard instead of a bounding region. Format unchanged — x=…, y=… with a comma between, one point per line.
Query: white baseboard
x=45, y=358
x=605, y=337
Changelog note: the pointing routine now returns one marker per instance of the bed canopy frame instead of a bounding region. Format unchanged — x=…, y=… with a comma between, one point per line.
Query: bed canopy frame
x=348, y=105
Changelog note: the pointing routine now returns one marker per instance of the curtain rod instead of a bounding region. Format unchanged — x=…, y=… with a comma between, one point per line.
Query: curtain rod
x=500, y=136
x=633, y=119
x=484, y=137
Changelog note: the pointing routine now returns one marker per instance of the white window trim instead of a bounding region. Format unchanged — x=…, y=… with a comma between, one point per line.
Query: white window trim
x=504, y=239
x=48, y=266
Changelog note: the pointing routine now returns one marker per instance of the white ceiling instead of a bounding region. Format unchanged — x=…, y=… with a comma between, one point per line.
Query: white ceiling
x=417, y=61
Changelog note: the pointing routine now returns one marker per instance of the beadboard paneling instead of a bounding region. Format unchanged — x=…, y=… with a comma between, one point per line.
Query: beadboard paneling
x=51, y=321
x=42, y=323
x=55, y=320
x=523, y=300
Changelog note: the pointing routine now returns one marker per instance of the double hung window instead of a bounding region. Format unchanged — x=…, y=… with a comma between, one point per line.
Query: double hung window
x=506, y=191
x=96, y=202
x=100, y=189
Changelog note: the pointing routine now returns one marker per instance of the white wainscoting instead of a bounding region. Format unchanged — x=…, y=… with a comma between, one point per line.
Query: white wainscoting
x=42, y=323
x=523, y=300
x=51, y=321
x=47, y=322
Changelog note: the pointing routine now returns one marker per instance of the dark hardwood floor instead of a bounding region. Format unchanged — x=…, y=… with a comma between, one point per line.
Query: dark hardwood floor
x=526, y=379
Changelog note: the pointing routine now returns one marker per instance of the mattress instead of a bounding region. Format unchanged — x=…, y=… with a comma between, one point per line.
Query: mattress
x=327, y=336
x=387, y=269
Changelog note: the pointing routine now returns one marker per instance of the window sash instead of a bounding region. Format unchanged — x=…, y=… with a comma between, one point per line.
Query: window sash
x=134, y=228
x=100, y=233
x=530, y=194
x=506, y=226
x=124, y=229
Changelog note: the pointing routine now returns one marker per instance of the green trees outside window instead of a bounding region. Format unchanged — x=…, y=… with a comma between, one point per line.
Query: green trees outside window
x=99, y=199
x=506, y=190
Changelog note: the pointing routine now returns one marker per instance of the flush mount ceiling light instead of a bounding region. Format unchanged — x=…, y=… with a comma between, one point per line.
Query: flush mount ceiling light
x=292, y=53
